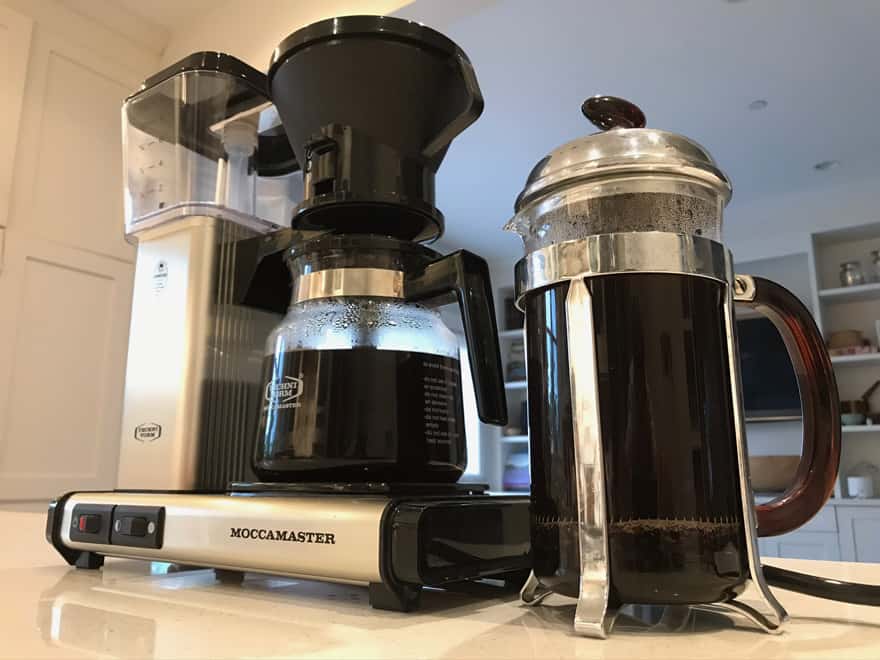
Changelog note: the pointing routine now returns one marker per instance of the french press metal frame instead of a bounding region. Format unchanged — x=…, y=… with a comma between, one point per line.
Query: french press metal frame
x=662, y=252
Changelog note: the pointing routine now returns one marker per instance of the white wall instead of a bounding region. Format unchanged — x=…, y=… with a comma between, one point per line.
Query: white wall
x=782, y=224
x=250, y=29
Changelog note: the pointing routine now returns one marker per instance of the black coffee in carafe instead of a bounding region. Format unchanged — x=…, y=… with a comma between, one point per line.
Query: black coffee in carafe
x=363, y=415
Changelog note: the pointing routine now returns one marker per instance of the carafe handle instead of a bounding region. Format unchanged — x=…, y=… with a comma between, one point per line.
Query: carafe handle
x=467, y=276
x=820, y=456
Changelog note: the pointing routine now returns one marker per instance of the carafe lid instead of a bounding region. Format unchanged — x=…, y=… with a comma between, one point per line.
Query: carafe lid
x=623, y=148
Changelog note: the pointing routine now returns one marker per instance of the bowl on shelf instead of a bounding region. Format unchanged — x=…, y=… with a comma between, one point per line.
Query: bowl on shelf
x=852, y=419
x=772, y=473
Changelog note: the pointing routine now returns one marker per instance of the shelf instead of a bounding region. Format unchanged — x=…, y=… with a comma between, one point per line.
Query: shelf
x=854, y=501
x=511, y=334
x=515, y=385
x=863, y=360
x=508, y=492
x=856, y=293
x=862, y=428
x=514, y=439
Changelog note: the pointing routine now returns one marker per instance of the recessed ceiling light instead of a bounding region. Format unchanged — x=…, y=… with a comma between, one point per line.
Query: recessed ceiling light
x=758, y=104
x=826, y=165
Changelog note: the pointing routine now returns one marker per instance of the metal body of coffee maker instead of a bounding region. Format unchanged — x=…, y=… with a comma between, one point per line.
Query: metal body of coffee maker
x=197, y=141
x=640, y=486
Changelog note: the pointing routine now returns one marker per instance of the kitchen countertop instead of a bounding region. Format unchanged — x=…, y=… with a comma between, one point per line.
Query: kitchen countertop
x=135, y=609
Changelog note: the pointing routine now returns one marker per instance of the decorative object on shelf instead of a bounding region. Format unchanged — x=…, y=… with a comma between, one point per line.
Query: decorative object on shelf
x=772, y=474
x=852, y=419
x=860, y=487
x=516, y=361
x=516, y=471
x=854, y=412
x=860, y=481
x=519, y=425
x=851, y=273
x=845, y=339
x=513, y=318
x=865, y=349
x=875, y=265
x=849, y=342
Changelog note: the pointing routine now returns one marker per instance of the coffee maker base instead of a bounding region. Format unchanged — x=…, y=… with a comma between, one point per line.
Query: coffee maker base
x=393, y=539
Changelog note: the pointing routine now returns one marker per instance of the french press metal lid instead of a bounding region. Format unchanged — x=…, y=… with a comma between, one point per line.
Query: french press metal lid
x=624, y=178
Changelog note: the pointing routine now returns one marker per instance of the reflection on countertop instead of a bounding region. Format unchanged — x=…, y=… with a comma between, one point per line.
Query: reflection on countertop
x=138, y=609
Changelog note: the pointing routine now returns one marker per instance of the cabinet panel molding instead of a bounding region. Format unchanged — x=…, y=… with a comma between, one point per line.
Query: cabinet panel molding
x=15, y=43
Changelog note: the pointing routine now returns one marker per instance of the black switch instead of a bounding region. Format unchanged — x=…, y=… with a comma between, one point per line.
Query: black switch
x=138, y=526
x=130, y=526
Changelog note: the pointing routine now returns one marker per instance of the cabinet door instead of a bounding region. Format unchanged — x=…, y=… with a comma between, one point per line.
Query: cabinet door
x=63, y=337
x=768, y=547
x=67, y=185
x=15, y=40
x=809, y=545
x=859, y=533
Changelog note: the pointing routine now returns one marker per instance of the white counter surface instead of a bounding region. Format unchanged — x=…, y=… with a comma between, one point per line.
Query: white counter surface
x=49, y=610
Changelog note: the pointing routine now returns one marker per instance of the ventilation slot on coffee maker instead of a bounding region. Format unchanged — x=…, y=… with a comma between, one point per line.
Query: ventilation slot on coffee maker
x=324, y=187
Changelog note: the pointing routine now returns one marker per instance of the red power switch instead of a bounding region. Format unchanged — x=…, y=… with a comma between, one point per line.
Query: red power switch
x=89, y=523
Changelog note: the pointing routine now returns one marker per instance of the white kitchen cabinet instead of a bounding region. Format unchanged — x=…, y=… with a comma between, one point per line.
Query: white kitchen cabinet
x=68, y=170
x=62, y=361
x=66, y=270
x=15, y=40
x=859, y=533
x=809, y=545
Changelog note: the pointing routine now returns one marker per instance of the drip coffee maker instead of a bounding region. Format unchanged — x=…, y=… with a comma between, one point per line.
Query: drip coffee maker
x=640, y=485
x=350, y=404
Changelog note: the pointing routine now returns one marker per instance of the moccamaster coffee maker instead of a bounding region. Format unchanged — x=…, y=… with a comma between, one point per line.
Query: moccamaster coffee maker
x=640, y=485
x=350, y=404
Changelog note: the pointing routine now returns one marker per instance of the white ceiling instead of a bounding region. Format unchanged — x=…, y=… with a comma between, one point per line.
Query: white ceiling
x=692, y=65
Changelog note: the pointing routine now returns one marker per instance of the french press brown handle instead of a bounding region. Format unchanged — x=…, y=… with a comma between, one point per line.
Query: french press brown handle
x=820, y=455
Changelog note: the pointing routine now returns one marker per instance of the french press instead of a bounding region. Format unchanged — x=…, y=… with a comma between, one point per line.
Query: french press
x=640, y=484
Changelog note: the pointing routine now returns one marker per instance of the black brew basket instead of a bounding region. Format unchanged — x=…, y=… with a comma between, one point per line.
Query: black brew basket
x=370, y=105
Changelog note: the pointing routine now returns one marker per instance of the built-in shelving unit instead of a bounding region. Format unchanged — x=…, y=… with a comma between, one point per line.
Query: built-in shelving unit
x=500, y=447
x=838, y=308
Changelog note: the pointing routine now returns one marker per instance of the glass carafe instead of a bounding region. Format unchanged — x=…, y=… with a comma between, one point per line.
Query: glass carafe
x=362, y=377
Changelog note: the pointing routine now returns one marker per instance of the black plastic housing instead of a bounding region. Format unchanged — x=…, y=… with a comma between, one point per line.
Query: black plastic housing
x=370, y=105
